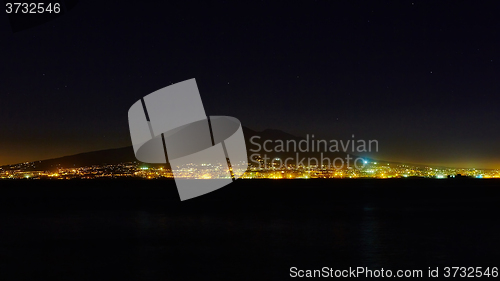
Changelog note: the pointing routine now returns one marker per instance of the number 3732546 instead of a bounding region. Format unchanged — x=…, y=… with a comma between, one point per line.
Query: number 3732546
x=32, y=8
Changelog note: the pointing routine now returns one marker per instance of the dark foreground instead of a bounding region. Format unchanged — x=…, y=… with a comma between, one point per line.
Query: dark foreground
x=250, y=230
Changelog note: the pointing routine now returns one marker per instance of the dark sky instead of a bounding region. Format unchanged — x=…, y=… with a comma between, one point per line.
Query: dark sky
x=422, y=78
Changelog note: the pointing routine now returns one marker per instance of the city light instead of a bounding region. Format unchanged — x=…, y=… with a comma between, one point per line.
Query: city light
x=265, y=171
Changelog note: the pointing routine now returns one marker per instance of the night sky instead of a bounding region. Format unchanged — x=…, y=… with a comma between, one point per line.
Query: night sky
x=421, y=78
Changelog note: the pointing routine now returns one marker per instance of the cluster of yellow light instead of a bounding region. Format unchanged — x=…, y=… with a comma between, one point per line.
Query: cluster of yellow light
x=206, y=176
x=371, y=170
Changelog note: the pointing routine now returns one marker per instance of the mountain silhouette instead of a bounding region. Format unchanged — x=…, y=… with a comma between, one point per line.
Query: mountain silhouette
x=126, y=154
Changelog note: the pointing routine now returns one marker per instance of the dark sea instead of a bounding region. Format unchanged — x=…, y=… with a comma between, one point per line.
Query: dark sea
x=249, y=230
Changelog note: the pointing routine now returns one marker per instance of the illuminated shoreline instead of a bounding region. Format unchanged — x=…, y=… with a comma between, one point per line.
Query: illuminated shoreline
x=139, y=170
